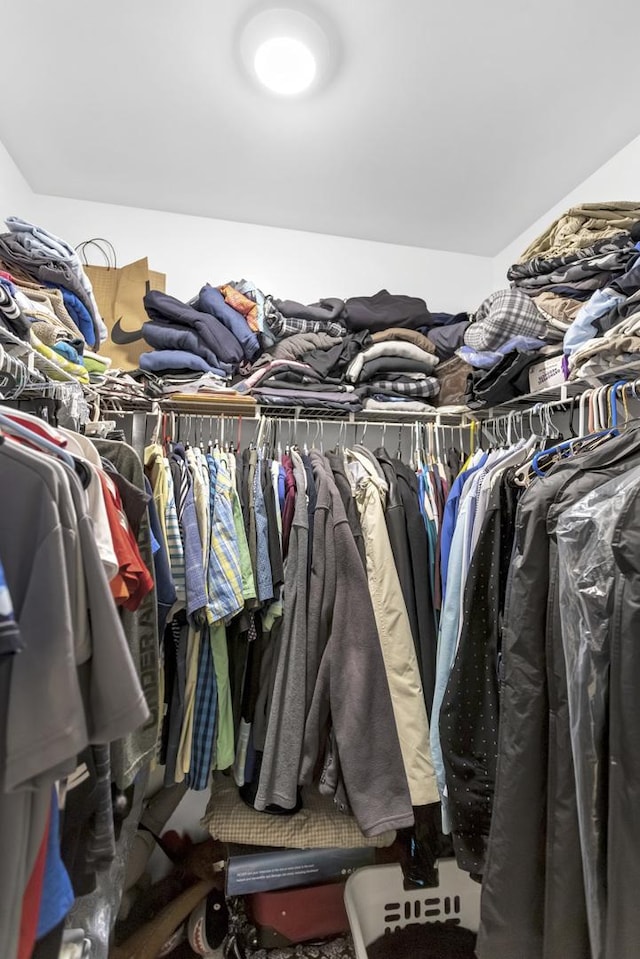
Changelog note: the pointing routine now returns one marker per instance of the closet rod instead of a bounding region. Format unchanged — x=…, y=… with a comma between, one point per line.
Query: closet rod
x=455, y=420
x=464, y=419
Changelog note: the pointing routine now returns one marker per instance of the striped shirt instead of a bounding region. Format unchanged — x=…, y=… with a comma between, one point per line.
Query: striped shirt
x=175, y=548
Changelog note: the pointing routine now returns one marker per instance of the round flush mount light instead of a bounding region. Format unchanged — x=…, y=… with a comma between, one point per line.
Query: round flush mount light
x=287, y=51
x=285, y=65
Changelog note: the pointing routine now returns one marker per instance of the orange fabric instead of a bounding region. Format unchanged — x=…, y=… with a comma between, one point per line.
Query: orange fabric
x=243, y=305
x=133, y=580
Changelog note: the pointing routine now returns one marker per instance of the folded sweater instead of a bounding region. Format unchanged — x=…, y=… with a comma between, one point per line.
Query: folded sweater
x=162, y=337
x=213, y=302
x=168, y=310
x=391, y=348
x=173, y=360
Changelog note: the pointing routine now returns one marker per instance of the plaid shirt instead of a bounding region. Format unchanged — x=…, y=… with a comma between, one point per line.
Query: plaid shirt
x=281, y=326
x=500, y=317
x=224, y=574
x=204, y=717
x=248, y=581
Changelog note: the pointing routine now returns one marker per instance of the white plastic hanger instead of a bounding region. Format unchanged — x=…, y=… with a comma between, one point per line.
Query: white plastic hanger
x=33, y=439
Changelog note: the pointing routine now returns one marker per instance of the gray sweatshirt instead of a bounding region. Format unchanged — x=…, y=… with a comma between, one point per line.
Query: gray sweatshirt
x=285, y=731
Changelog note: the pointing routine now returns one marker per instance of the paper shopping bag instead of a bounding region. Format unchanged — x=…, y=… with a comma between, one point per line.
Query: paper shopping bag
x=119, y=292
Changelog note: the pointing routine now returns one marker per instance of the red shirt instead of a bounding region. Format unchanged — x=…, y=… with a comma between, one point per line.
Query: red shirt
x=133, y=580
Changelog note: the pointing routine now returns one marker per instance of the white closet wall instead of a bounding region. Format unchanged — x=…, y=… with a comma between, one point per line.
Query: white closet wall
x=14, y=189
x=617, y=179
x=287, y=263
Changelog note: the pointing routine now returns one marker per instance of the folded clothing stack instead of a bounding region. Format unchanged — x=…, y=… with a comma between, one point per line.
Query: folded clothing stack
x=282, y=382
x=60, y=322
x=393, y=367
x=617, y=346
x=202, y=339
x=610, y=314
x=583, y=274
x=291, y=354
x=500, y=343
x=32, y=251
x=397, y=373
x=383, y=356
x=574, y=285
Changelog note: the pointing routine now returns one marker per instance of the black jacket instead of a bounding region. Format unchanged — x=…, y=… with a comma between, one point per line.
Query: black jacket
x=383, y=310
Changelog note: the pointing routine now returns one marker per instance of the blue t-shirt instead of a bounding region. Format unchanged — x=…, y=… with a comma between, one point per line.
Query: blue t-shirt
x=57, y=893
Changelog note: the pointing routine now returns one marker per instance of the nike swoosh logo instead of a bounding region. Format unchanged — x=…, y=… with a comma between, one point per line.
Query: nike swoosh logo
x=122, y=337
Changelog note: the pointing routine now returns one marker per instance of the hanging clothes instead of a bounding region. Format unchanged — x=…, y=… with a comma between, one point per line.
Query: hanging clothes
x=74, y=683
x=409, y=544
x=394, y=629
x=530, y=903
x=285, y=730
x=364, y=751
x=470, y=706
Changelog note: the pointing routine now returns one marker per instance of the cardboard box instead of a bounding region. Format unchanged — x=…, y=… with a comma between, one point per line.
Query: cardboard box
x=547, y=374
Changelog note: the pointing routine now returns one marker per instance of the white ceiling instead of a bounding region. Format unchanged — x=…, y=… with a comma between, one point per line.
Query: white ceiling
x=450, y=125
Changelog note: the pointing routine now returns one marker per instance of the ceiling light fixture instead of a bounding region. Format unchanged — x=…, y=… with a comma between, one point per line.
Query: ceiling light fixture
x=285, y=65
x=287, y=51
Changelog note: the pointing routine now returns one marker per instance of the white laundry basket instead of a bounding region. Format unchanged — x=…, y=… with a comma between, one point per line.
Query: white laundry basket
x=377, y=902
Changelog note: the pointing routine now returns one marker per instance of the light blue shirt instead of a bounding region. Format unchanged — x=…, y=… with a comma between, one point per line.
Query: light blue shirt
x=583, y=328
x=451, y=515
x=446, y=653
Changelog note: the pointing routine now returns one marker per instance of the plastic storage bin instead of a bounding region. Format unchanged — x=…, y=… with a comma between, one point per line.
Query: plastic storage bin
x=377, y=902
